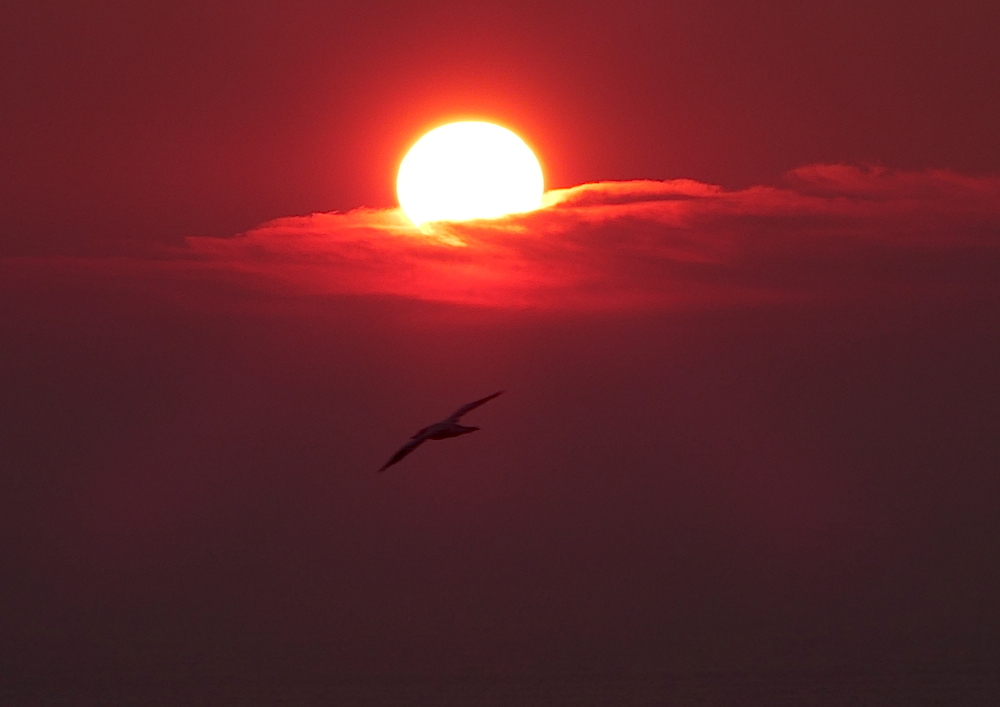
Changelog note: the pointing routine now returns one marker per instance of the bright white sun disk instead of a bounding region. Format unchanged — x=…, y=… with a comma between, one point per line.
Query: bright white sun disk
x=468, y=170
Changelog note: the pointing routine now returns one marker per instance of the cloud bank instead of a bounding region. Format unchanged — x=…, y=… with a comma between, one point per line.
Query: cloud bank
x=832, y=231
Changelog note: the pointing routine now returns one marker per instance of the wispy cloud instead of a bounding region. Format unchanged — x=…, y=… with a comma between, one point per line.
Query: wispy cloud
x=834, y=230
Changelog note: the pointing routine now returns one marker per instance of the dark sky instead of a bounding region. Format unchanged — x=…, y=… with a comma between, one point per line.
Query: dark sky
x=752, y=416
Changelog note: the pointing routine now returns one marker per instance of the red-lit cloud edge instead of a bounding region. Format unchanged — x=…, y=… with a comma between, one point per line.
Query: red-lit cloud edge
x=830, y=231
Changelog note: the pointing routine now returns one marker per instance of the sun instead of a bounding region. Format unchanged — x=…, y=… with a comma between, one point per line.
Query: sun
x=468, y=170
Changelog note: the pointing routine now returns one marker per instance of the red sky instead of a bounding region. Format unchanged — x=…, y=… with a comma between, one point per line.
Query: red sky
x=749, y=347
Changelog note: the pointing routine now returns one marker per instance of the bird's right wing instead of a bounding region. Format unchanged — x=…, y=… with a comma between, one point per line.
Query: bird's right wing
x=403, y=451
x=471, y=406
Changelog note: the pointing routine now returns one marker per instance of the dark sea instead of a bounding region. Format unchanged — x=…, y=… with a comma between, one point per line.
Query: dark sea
x=911, y=689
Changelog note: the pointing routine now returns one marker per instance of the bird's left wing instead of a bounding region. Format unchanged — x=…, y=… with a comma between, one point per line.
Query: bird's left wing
x=403, y=451
x=471, y=406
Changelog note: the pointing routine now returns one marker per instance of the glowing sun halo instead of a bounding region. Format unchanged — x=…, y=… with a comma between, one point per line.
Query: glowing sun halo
x=468, y=170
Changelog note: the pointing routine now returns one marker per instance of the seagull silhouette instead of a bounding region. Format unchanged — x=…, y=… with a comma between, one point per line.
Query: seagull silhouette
x=448, y=427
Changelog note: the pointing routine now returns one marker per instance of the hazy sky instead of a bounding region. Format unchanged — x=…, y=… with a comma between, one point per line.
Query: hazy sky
x=749, y=350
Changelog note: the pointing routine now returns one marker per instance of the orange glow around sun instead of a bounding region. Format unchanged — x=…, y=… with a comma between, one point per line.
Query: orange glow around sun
x=468, y=170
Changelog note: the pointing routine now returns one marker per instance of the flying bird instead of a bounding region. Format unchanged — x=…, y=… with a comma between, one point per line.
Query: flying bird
x=448, y=427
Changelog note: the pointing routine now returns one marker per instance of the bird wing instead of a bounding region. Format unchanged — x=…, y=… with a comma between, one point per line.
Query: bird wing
x=404, y=450
x=471, y=406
